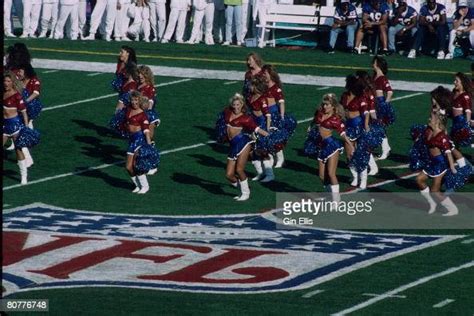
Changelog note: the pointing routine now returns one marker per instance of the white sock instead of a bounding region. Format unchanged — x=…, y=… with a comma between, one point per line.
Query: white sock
x=426, y=194
x=450, y=206
x=336, y=197
x=355, y=177
x=363, y=179
x=137, y=184
x=143, y=183
x=258, y=166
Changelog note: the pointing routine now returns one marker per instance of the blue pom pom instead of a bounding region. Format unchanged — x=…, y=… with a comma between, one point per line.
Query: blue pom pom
x=419, y=156
x=34, y=107
x=373, y=138
x=221, y=129
x=117, y=82
x=455, y=181
x=360, y=158
x=417, y=130
x=274, y=142
x=385, y=111
x=312, y=144
x=27, y=138
x=125, y=98
x=117, y=121
x=148, y=157
x=289, y=123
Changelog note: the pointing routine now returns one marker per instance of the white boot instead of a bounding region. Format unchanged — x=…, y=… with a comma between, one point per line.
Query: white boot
x=280, y=159
x=355, y=177
x=374, y=169
x=268, y=166
x=143, y=183
x=363, y=179
x=30, y=124
x=152, y=171
x=450, y=206
x=137, y=184
x=336, y=197
x=426, y=194
x=258, y=167
x=23, y=171
x=385, y=149
x=28, y=159
x=235, y=184
x=461, y=162
x=245, y=190
x=12, y=146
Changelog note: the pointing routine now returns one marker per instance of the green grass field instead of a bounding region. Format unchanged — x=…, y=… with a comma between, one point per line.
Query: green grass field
x=79, y=165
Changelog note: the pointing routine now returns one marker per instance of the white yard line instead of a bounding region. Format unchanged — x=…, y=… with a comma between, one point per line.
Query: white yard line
x=443, y=303
x=323, y=88
x=404, y=288
x=49, y=108
x=95, y=74
x=230, y=82
x=50, y=71
x=165, y=152
x=227, y=75
x=467, y=241
x=376, y=295
x=312, y=293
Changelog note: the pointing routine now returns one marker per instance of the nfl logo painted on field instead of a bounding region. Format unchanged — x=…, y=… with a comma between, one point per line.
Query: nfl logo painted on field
x=51, y=247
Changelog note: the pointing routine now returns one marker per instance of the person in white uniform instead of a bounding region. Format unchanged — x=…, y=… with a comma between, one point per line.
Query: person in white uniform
x=109, y=7
x=219, y=20
x=202, y=9
x=67, y=10
x=31, y=15
x=122, y=20
x=141, y=22
x=82, y=12
x=49, y=13
x=177, y=20
x=7, y=18
x=158, y=18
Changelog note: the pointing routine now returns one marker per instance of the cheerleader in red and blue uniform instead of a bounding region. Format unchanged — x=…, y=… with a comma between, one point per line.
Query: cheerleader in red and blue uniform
x=31, y=92
x=328, y=118
x=146, y=86
x=461, y=114
x=439, y=164
x=285, y=122
x=14, y=125
x=261, y=159
x=357, y=120
x=238, y=127
x=126, y=57
x=130, y=84
x=137, y=126
x=384, y=94
x=254, y=69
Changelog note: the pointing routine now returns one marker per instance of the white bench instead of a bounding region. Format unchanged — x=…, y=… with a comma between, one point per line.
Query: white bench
x=295, y=17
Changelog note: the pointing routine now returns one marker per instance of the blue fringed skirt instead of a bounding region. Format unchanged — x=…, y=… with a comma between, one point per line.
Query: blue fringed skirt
x=12, y=126
x=385, y=111
x=135, y=141
x=329, y=147
x=354, y=127
x=238, y=144
x=437, y=166
x=34, y=107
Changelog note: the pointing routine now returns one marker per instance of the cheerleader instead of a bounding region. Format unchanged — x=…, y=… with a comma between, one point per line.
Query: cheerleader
x=31, y=92
x=127, y=56
x=357, y=120
x=254, y=69
x=384, y=94
x=137, y=125
x=17, y=56
x=276, y=102
x=262, y=161
x=238, y=126
x=146, y=86
x=328, y=118
x=129, y=85
x=12, y=105
x=440, y=159
x=461, y=114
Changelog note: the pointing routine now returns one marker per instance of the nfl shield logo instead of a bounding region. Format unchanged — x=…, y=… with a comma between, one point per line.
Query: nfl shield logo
x=50, y=247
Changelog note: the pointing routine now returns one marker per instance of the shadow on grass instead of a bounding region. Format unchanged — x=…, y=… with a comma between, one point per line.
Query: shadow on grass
x=209, y=186
x=112, y=181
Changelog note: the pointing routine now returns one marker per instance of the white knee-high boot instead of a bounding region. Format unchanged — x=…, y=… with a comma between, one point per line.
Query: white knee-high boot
x=385, y=149
x=245, y=190
x=268, y=166
x=28, y=159
x=336, y=197
x=363, y=179
x=23, y=171
x=426, y=194
x=137, y=184
x=258, y=167
x=374, y=169
x=355, y=176
x=280, y=159
x=450, y=206
x=143, y=184
x=461, y=162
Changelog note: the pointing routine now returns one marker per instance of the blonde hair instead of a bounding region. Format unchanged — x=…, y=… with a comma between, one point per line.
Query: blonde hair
x=143, y=102
x=17, y=84
x=147, y=73
x=241, y=99
x=332, y=99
